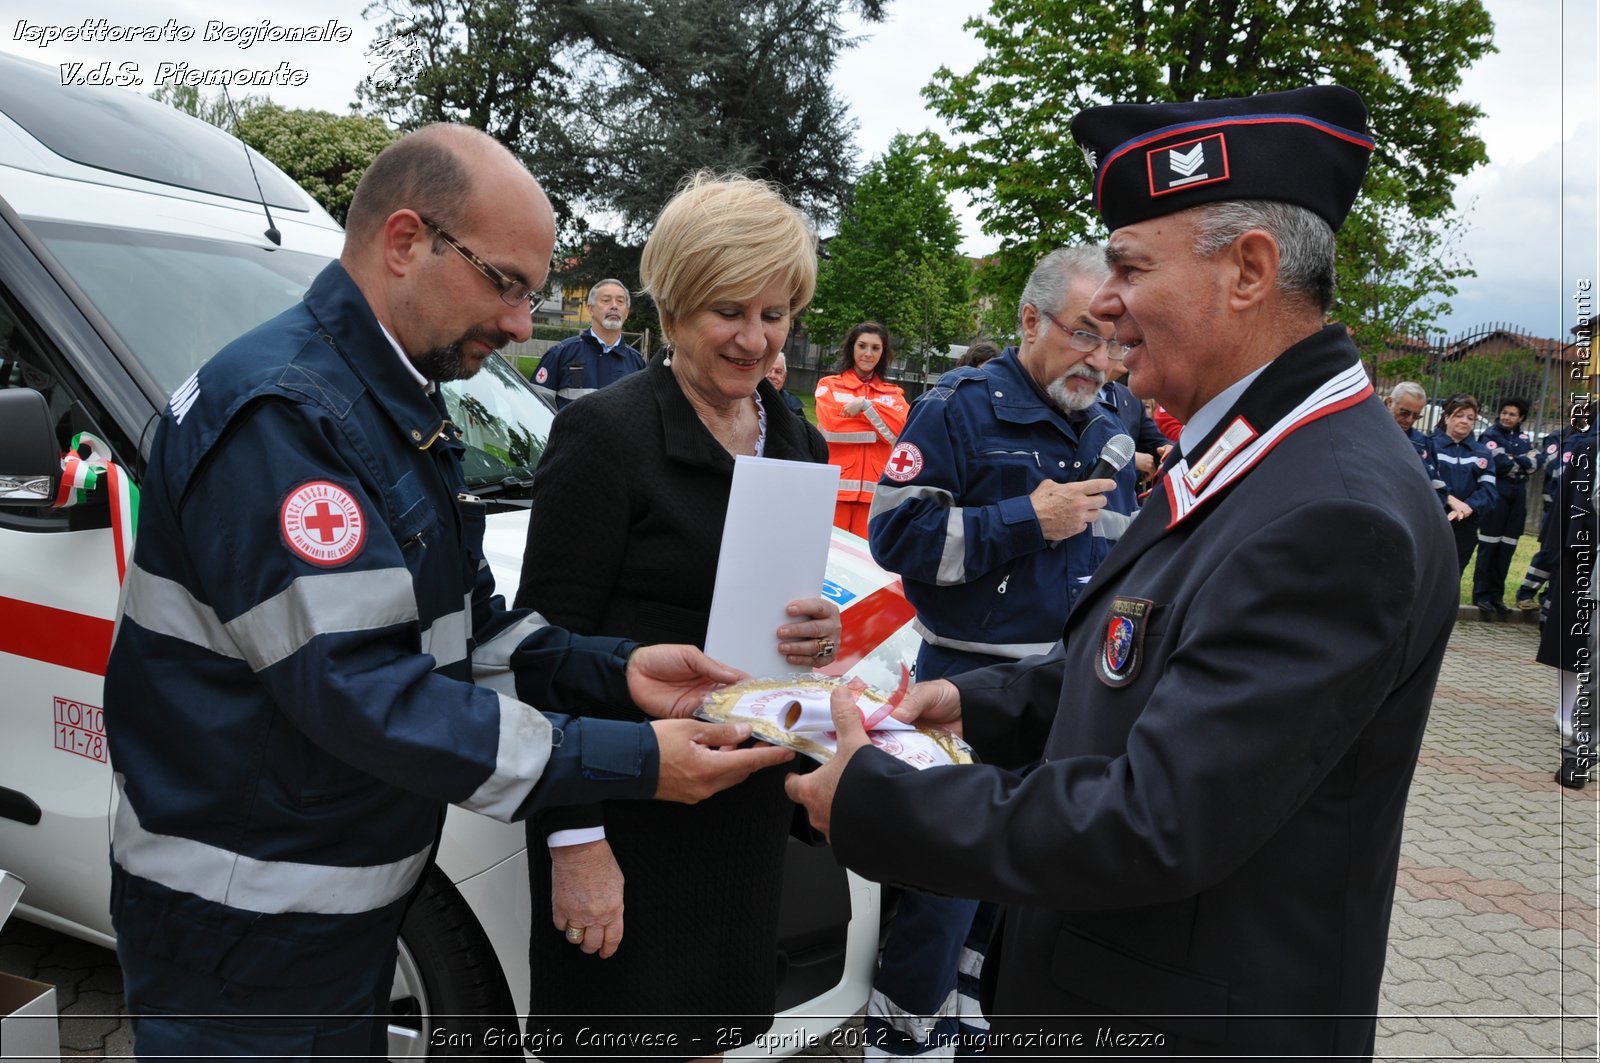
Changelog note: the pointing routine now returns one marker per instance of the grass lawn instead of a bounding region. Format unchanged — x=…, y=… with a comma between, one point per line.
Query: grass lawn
x=1527, y=546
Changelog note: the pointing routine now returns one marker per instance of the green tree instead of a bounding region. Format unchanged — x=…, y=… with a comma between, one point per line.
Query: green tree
x=613, y=103
x=1012, y=148
x=895, y=261
x=325, y=153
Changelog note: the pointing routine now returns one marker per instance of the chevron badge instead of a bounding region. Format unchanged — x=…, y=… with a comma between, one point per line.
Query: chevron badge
x=1185, y=163
x=1194, y=162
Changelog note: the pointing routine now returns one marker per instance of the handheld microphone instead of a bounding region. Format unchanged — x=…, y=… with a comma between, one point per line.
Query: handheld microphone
x=1116, y=454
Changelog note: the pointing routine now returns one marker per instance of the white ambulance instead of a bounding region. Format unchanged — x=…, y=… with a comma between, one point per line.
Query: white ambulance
x=133, y=245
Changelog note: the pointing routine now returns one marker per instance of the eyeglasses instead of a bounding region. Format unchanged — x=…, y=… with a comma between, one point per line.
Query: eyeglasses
x=1403, y=414
x=512, y=292
x=1085, y=342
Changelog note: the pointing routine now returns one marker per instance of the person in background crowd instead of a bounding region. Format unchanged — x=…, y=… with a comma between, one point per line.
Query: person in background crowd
x=1406, y=402
x=976, y=354
x=629, y=502
x=1498, y=532
x=595, y=357
x=860, y=414
x=1170, y=426
x=986, y=512
x=311, y=660
x=1150, y=443
x=1192, y=806
x=1467, y=469
x=777, y=376
x=1566, y=641
x=1543, y=561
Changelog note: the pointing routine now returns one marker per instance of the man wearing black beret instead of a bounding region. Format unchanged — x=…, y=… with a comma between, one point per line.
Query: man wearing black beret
x=1192, y=805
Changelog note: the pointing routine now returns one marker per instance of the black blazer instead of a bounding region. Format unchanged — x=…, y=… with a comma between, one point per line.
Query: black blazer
x=1228, y=733
x=628, y=506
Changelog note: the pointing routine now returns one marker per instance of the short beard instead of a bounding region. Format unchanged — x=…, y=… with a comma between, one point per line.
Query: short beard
x=448, y=363
x=606, y=322
x=1071, y=401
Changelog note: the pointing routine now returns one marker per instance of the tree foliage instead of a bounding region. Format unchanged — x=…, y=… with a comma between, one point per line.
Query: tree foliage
x=612, y=103
x=1012, y=148
x=325, y=153
x=895, y=260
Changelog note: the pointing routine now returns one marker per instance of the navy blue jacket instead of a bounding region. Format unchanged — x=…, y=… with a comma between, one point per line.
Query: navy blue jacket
x=952, y=514
x=1515, y=458
x=1147, y=438
x=293, y=675
x=574, y=367
x=1467, y=469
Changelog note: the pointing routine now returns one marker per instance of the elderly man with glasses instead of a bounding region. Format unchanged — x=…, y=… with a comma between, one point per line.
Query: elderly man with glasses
x=987, y=512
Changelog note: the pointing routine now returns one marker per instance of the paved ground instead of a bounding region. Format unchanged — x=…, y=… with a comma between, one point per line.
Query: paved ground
x=1495, y=940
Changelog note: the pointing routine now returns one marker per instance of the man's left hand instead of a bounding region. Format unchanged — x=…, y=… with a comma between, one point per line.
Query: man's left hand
x=670, y=681
x=815, y=791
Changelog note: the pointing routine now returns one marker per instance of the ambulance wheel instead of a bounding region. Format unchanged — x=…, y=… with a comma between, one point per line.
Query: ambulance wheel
x=449, y=997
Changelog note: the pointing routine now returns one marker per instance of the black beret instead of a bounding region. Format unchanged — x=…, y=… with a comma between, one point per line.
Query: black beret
x=1308, y=147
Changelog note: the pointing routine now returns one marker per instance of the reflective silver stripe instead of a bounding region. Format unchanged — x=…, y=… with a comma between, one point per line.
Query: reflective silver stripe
x=166, y=607
x=1016, y=650
x=917, y=1027
x=491, y=660
x=323, y=604
x=953, y=557
x=1490, y=540
x=867, y=486
x=446, y=637
x=272, y=887
x=1437, y=485
x=892, y=495
x=1538, y=574
x=1112, y=526
x=524, y=750
x=876, y=420
x=850, y=437
x=574, y=393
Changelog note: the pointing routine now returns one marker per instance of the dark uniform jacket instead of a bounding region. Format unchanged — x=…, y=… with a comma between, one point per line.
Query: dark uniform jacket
x=290, y=693
x=953, y=518
x=1228, y=732
x=575, y=367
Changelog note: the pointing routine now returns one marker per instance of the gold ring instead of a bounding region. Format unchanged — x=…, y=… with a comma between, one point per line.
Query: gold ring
x=825, y=648
x=574, y=934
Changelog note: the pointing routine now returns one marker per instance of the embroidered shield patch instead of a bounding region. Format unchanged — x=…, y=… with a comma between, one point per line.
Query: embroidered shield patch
x=1122, y=652
x=322, y=523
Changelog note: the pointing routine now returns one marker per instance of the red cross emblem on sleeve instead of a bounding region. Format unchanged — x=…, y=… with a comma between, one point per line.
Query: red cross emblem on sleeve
x=904, y=463
x=322, y=523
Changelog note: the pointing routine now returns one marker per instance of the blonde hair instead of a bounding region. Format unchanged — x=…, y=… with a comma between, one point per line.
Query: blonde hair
x=726, y=237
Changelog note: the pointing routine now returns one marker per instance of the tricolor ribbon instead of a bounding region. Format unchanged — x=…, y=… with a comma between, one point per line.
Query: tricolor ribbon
x=84, y=469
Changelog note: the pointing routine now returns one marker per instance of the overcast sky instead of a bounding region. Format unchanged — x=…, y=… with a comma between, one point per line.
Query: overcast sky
x=1531, y=212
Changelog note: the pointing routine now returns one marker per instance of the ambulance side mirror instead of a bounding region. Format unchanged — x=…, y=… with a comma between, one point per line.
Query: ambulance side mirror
x=30, y=461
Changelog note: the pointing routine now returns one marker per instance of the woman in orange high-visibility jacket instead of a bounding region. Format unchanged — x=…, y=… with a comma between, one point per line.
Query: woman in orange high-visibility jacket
x=860, y=414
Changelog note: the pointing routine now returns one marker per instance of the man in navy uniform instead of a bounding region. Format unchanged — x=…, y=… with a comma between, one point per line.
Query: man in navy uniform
x=1514, y=461
x=311, y=659
x=1406, y=402
x=595, y=357
x=1192, y=806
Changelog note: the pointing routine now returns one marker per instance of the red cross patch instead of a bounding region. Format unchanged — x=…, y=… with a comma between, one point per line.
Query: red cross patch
x=322, y=523
x=541, y=376
x=904, y=463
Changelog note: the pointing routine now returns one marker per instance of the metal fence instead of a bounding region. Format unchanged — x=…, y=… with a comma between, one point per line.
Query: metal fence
x=1493, y=363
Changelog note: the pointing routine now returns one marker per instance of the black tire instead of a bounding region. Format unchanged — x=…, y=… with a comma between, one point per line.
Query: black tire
x=450, y=998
